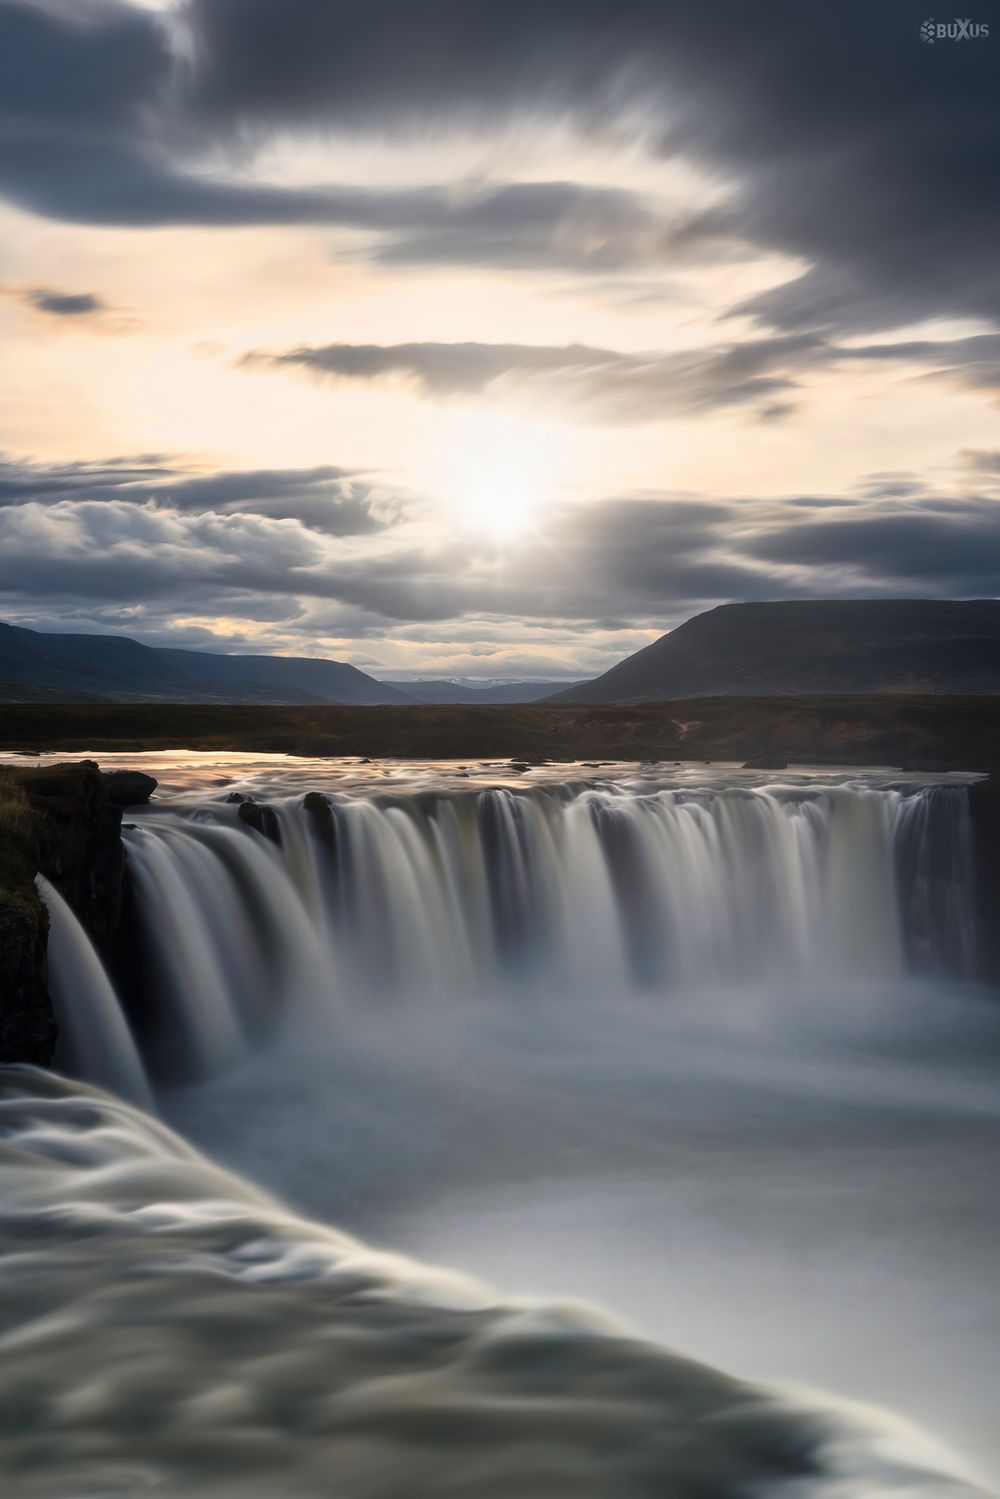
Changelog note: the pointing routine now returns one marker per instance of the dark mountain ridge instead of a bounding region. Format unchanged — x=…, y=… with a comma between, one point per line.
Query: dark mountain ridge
x=36, y=667
x=813, y=646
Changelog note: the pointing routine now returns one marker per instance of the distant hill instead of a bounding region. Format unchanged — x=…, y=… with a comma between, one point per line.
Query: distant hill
x=823, y=646
x=439, y=690
x=36, y=667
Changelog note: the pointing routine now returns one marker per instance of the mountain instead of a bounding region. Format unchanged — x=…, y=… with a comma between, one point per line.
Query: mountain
x=439, y=690
x=880, y=645
x=36, y=667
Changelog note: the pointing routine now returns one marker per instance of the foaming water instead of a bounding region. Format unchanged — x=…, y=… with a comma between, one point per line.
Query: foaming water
x=165, y=1327
x=697, y=1044
x=94, y=1037
x=444, y=895
x=804, y=1199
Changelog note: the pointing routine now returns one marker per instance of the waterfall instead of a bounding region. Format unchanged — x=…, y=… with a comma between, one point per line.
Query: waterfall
x=448, y=896
x=94, y=1037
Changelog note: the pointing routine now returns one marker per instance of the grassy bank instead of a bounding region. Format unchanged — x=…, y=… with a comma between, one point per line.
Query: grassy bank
x=19, y=829
x=958, y=732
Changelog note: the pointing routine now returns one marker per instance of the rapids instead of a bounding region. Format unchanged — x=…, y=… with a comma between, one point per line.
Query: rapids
x=166, y=1328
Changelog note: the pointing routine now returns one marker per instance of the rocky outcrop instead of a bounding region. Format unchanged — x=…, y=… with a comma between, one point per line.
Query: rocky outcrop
x=27, y=1024
x=70, y=831
x=81, y=846
x=129, y=788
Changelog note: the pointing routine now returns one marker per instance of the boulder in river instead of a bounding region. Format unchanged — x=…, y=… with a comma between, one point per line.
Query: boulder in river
x=321, y=813
x=262, y=819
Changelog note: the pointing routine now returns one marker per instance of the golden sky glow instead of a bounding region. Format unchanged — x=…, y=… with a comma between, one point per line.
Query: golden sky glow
x=474, y=375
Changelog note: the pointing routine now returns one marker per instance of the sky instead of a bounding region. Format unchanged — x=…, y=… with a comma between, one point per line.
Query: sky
x=477, y=339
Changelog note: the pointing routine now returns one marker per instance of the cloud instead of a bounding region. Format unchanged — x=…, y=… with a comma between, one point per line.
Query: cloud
x=602, y=383
x=116, y=550
x=608, y=385
x=140, y=569
x=620, y=563
x=538, y=226
x=514, y=226
x=840, y=139
x=73, y=309
x=972, y=363
x=946, y=547
x=848, y=142
x=981, y=460
x=329, y=499
x=94, y=130
x=64, y=304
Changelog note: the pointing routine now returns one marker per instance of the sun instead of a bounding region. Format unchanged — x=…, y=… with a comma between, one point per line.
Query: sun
x=500, y=503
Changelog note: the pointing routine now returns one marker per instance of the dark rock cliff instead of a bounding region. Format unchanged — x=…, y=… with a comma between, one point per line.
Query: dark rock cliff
x=27, y=1025
x=63, y=821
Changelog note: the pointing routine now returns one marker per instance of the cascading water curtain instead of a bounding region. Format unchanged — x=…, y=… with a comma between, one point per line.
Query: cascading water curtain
x=444, y=897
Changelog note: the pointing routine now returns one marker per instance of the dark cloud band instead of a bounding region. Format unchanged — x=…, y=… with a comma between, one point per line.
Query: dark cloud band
x=84, y=534
x=608, y=385
x=844, y=141
x=328, y=499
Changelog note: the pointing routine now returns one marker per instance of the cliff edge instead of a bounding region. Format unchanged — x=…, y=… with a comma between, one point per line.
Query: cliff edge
x=62, y=821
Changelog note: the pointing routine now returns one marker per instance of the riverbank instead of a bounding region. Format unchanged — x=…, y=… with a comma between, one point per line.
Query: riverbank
x=959, y=733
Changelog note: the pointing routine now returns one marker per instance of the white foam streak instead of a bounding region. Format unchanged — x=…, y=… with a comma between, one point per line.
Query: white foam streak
x=166, y=1328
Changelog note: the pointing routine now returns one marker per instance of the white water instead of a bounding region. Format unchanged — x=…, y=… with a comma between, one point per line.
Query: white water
x=697, y=1048
x=165, y=1328
x=450, y=897
x=94, y=1037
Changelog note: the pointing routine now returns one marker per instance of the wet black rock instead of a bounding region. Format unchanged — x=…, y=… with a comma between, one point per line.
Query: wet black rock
x=262, y=819
x=764, y=762
x=129, y=788
x=318, y=808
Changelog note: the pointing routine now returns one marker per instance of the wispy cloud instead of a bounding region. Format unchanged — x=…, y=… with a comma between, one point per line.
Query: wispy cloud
x=613, y=386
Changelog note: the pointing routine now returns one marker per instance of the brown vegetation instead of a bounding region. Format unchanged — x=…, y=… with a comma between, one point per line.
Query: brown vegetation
x=954, y=732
